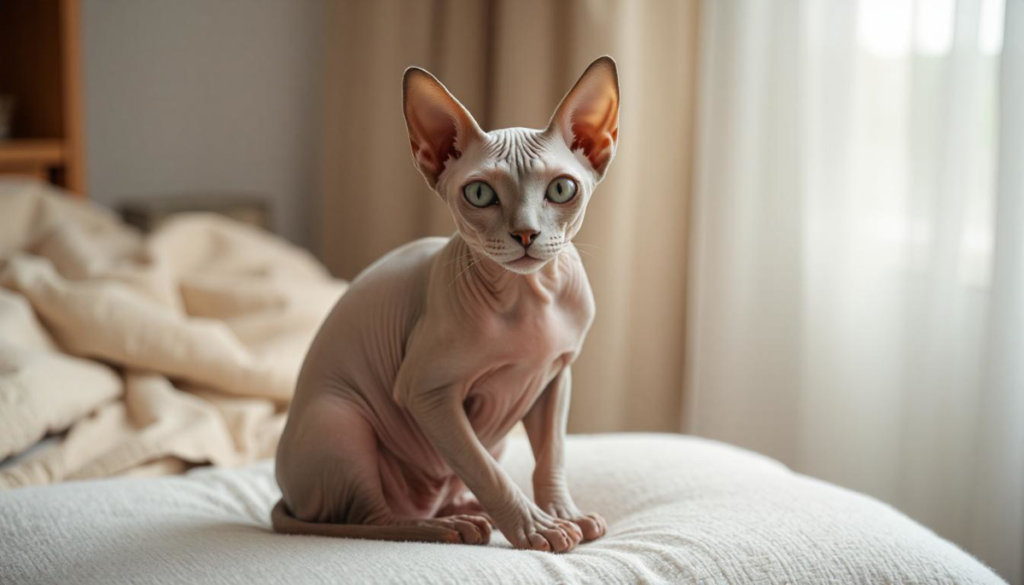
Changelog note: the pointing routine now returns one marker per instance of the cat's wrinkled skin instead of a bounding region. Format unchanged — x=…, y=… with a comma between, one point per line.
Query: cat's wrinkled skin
x=440, y=347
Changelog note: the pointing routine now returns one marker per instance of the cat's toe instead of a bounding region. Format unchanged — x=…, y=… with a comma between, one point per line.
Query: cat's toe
x=537, y=542
x=592, y=525
x=482, y=523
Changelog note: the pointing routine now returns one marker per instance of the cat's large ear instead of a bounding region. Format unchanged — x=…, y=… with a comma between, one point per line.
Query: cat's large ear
x=588, y=117
x=439, y=126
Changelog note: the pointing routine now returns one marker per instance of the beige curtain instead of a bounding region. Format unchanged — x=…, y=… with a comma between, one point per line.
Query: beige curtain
x=510, y=63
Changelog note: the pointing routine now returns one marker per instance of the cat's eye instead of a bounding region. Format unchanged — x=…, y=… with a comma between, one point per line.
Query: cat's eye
x=480, y=194
x=561, y=190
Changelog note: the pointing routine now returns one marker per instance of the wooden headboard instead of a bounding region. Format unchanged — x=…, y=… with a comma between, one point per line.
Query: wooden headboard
x=40, y=69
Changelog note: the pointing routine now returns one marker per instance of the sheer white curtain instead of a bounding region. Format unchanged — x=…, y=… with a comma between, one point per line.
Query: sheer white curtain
x=857, y=305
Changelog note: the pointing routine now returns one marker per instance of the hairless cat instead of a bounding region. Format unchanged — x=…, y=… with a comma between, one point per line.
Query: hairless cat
x=440, y=347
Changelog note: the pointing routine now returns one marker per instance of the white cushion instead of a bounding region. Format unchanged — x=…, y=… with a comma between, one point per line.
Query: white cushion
x=679, y=509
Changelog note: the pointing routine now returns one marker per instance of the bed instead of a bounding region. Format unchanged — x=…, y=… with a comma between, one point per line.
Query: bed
x=680, y=510
x=144, y=380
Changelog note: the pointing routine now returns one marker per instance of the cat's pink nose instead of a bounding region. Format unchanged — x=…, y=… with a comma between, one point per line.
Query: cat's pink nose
x=525, y=237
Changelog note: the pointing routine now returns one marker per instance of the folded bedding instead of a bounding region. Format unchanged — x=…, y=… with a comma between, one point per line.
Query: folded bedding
x=144, y=354
x=680, y=510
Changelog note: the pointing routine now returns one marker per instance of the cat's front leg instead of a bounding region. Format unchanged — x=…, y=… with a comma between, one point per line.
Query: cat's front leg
x=545, y=426
x=442, y=418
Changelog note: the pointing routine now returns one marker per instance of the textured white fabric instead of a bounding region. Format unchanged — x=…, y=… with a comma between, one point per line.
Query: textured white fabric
x=679, y=510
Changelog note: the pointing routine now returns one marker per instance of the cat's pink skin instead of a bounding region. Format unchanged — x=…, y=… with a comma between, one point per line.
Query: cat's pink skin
x=437, y=350
x=417, y=360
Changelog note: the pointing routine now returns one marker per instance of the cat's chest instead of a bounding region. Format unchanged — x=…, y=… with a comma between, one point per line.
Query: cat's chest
x=532, y=336
x=518, y=357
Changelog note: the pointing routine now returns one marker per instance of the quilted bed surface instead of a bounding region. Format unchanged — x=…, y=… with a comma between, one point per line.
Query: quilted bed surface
x=680, y=510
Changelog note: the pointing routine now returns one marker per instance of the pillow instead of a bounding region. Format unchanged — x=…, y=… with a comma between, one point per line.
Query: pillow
x=680, y=510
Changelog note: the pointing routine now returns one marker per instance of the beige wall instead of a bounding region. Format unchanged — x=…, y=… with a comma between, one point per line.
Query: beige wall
x=190, y=96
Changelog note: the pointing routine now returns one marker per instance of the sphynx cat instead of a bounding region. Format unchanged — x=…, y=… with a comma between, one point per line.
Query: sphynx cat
x=440, y=347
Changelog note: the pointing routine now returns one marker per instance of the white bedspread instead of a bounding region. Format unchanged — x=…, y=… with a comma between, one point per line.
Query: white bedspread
x=680, y=510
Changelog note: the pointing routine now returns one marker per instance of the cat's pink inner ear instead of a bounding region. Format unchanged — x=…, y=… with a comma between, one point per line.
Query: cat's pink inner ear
x=439, y=126
x=588, y=117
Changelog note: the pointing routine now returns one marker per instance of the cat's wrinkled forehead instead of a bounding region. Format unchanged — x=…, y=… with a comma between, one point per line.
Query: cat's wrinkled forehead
x=517, y=150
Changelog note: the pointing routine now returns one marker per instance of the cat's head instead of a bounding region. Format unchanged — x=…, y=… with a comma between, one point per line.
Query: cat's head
x=517, y=195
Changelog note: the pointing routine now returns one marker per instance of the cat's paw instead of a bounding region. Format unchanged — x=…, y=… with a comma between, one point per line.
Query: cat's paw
x=592, y=525
x=469, y=528
x=535, y=529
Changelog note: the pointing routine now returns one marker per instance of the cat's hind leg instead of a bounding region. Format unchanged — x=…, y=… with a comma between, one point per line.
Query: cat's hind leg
x=466, y=504
x=338, y=492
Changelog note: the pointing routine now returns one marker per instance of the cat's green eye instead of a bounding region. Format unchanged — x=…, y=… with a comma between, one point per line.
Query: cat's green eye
x=480, y=194
x=561, y=190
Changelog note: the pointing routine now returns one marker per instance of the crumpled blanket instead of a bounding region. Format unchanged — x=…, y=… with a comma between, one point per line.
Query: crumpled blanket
x=144, y=354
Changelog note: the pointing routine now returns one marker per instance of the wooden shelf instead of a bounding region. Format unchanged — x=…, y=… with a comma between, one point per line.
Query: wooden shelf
x=31, y=153
x=39, y=66
x=39, y=159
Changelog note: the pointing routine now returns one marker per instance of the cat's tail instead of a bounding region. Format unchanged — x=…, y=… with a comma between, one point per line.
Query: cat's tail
x=285, y=523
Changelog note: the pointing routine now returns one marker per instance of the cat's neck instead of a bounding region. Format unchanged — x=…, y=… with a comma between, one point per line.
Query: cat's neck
x=502, y=288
